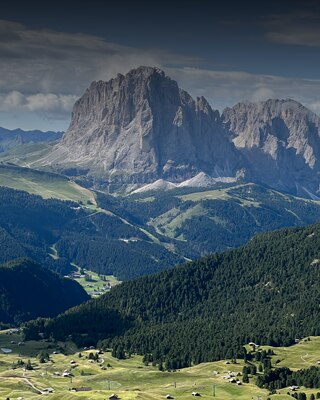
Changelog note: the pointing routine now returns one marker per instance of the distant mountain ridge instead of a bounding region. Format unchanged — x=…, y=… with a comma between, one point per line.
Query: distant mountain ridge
x=17, y=137
x=280, y=139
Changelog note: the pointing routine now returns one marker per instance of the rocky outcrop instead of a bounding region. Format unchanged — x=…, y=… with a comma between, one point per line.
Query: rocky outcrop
x=281, y=141
x=142, y=127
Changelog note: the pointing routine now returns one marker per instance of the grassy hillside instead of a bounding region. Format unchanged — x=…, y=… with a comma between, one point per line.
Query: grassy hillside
x=155, y=231
x=94, y=284
x=28, y=291
x=132, y=378
x=266, y=291
x=58, y=234
x=45, y=184
x=198, y=222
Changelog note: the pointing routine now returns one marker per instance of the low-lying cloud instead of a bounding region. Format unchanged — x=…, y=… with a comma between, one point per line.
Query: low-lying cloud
x=48, y=103
x=226, y=88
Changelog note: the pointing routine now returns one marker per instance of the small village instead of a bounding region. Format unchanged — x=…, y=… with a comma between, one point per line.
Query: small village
x=94, y=284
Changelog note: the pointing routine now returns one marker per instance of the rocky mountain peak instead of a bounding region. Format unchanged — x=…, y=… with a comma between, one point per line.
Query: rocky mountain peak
x=140, y=127
x=281, y=141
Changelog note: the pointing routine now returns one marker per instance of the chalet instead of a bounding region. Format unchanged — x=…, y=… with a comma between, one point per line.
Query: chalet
x=230, y=375
x=196, y=394
x=294, y=387
x=168, y=396
x=47, y=390
x=113, y=396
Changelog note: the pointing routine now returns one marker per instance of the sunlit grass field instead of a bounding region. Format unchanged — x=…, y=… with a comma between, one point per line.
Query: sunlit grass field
x=131, y=378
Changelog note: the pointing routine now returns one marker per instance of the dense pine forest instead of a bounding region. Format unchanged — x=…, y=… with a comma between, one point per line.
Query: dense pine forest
x=138, y=235
x=28, y=290
x=266, y=291
x=202, y=221
x=30, y=226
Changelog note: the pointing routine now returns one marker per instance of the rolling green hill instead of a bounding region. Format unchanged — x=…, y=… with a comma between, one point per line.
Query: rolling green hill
x=199, y=222
x=45, y=184
x=28, y=291
x=266, y=291
x=154, y=230
x=58, y=234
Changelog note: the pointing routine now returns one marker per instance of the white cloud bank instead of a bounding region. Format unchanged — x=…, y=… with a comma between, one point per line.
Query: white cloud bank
x=41, y=102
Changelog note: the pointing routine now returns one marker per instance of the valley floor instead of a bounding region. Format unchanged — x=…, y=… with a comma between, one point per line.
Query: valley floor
x=130, y=378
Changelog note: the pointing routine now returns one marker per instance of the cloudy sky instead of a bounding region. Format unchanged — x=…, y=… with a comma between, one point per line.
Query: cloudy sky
x=228, y=52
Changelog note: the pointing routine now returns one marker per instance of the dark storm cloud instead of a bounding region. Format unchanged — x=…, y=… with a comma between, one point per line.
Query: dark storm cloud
x=297, y=24
x=297, y=28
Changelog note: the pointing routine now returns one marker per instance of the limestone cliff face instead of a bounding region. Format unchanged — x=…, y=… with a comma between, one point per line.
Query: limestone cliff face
x=281, y=141
x=142, y=127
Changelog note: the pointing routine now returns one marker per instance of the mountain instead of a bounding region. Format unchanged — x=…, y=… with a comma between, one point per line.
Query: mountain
x=142, y=127
x=15, y=138
x=280, y=139
x=266, y=292
x=28, y=291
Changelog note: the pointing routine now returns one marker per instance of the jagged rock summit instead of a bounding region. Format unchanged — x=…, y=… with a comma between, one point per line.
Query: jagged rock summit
x=280, y=140
x=141, y=127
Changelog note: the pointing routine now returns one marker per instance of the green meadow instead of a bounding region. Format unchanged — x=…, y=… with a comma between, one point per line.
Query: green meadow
x=95, y=283
x=46, y=185
x=130, y=378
